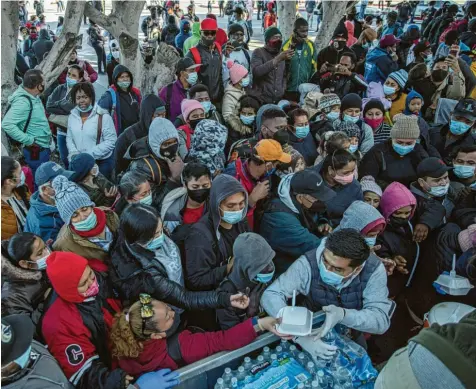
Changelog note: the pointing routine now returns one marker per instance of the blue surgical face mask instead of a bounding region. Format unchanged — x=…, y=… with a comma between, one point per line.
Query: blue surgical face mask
x=21, y=182
x=192, y=78
x=23, y=360
x=70, y=82
x=301, y=132
x=87, y=224
x=333, y=115
x=439, y=191
x=247, y=120
x=351, y=119
x=330, y=278
x=353, y=148
x=464, y=171
x=123, y=84
x=371, y=241
x=147, y=200
x=41, y=263
x=232, y=217
x=245, y=82
x=265, y=278
x=268, y=173
x=428, y=59
x=388, y=90
x=458, y=128
x=87, y=109
x=402, y=150
x=206, y=106
x=156, y=243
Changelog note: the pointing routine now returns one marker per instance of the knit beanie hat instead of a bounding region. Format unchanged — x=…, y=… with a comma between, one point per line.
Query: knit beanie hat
x=400, y=77
x=271, y=31
x=64, y=271
x=467, y=238
x=234, y=28
x=327, y=101
x=237, y=71
x=350, y=129
x=405, y=127
x=374, y=103
x=368, y=184
x=352, y=100
x=69, y=198
x=188, y=106
x=81, y=164
x=161, y=130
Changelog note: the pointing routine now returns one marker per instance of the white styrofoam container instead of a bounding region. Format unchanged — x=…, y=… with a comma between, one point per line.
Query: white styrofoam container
x=295, y=321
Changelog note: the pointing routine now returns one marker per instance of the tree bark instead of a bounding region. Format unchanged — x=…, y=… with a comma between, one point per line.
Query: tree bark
x=10, y=25
x=286, y=17
x=58, y=57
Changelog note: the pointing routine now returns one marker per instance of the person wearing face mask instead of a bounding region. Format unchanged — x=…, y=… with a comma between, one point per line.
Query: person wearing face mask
x=174, y=93
x=43, y=45
x=134, y=188
x=300, y=137
x=90, y=129
x=458, y=132
x=192, y=113
x=464, y=167
x=328, y=110
x=193, y=39
x=382, y=60
x=268, y=65
x=331, y=141
x=43, y=218
x=303, y=62
x=151, y=107
x=408, y=40
x=393, y=88
x=183, y=35
x=435, y=197
x=28, y=47
x=236, y=89
x=159, y=156
x=25, y=361
x=236, y=50
x=374, y=113
x=112, y=60
x=144, y=334
x=350, y=112
x=296, y=217
x=242, y=125
x=209, y=245
x=100, y=190
x=397, y=158
x=87, y=231
x=253, y=270
x=25, y=286
x=122, y=100
x=422, y=54
x=208, y=53
x=76, y=324
x=89, y=73
x=25, y=120
x=469, y=37
x=392, y=26
x=255, y=173
x=353, y=132
x=15, y=198
x=341, y=278
x=371, y=191
x=448, y=79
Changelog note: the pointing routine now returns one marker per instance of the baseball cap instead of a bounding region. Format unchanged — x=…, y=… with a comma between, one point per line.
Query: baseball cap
x=49, y=170
x=309, y=181
x=466, y=108
x=208, y=24
x=388, y=40
x=271, y=150
x=432, y=167
x=421, y=47
x=185, y=63
x=17, y=334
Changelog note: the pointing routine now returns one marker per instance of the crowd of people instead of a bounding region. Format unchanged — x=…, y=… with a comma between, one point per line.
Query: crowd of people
x=346, y=175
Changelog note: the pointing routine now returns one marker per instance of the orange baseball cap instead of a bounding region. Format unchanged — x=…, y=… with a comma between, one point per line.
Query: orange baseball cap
x=271, y=150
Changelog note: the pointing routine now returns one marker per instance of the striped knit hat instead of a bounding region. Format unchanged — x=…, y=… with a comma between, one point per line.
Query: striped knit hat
x=400, y=77
x=327, y=101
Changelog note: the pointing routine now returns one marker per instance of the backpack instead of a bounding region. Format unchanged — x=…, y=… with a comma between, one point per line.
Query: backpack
x=197, y=57
x=168, y=98
x=13, y=142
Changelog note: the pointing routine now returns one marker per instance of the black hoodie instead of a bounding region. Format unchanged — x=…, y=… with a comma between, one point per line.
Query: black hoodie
x=43, y=45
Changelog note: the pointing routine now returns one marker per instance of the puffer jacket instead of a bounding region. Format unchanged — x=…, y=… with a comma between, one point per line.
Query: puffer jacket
x=43, y=219
x=23, y=291
x=269, y=81
x=82, y=137
x=134, y=270
x=71, y=242
x=9, y=220
x=231, y=101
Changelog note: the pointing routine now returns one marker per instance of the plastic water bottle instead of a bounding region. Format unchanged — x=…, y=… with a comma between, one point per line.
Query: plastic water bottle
x=344, y=378
x=284, y=344
x=294, y=351
x=234, y=382
x=278, y=350
x=247, y=364
x=248, y=379
x=273, y=358
x=220, y=384
x=330, y=338
x=321, y=378
x=311, y=368
x=315, y=384
x=260, y=359
x=241, y=374
x=303, y=359
x=300, y=386
x=227, y=376
x=266, y=353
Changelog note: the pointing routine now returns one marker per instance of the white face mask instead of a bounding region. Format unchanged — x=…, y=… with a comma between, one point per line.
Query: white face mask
x=115, y=54
x=21, y=181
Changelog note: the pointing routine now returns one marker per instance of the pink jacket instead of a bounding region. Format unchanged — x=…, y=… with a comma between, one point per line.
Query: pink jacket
x=394, y=197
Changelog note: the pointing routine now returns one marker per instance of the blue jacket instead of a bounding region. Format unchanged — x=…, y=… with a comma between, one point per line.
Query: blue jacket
x=306, y=147
x=378, y=65
x=182, y=37
x=43, y=219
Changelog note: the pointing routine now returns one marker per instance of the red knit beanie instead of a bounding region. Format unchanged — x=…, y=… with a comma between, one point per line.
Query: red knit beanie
x=64, y=271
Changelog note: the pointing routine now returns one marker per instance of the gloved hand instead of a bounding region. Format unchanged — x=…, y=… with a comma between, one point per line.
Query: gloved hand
x=160, y=379
x=316, y=347
x=334, y=315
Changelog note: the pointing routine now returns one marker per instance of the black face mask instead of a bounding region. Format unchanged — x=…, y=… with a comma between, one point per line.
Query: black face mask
x=318, y=207
x=186, y=30
x=170, y=151
x=198, y=195
x=439, y=75
x=208, y=41
x=339, y=45
x=398, y=221
x=194, y=123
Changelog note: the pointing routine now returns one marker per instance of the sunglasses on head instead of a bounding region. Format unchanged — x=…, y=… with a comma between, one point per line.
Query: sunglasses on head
x=146, y=310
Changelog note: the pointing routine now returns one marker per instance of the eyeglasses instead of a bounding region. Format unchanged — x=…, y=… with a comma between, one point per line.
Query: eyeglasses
x=146, y=310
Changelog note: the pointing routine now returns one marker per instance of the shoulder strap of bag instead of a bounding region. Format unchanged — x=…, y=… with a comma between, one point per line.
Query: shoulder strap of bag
x=27, y=123
x=247, y=55
x=99, y=131
x=173, y=349
x=168, y=99
x=159, y=171
x=196, y=56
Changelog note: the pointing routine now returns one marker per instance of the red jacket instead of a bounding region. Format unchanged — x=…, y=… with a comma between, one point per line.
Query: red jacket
x=245, y=179
x=91, y=75
x=193, y=347
x=221, y=38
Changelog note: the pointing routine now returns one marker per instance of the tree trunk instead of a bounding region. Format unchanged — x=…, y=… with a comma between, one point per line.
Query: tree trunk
x=58, y=57
x=333, y=11
x=286, y=17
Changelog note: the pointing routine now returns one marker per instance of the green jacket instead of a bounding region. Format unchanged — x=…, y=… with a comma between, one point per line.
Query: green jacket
x=193, y=40
x=301, y=67
x=14, y=122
